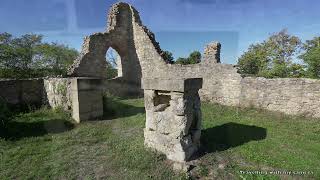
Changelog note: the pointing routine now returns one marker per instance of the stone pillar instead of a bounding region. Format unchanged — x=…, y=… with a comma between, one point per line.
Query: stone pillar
x=212, y=53
x=86, y=98
x=173, y=116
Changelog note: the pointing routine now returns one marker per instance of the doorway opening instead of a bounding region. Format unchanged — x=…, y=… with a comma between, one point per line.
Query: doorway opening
x=114, y=68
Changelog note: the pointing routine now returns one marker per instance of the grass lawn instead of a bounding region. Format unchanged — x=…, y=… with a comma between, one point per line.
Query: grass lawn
x=45, y=144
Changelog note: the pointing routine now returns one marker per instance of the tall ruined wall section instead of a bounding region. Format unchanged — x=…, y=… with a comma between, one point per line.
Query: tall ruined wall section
x=119, y=36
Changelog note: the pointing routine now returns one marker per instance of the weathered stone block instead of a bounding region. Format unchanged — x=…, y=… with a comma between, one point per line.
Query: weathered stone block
x=87, y=99
x=172, y=117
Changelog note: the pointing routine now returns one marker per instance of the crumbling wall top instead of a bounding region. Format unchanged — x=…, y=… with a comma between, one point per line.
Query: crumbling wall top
x=212, y=52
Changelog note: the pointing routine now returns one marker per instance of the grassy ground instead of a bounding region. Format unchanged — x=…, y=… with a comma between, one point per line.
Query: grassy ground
x=45, y=144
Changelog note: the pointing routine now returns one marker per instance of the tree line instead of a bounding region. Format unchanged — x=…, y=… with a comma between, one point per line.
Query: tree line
x=28, y=56
x=282, y=56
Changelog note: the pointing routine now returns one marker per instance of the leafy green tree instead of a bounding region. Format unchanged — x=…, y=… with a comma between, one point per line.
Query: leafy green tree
x=182, y=61
x=271, y=58
x=254, y=61
x=311, y=57
x=297, y=70
x=6, y=51
x=25, y=49
x=111, y=72
x=113, y=63
x=55, y=58
x=168, y=57
x=310, y=44
x=194, y=58
x=27, y=56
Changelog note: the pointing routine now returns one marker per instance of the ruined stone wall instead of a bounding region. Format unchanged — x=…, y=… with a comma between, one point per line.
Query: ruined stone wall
x=58, y=93
x=119, y=36
x=54, y=92
x=120, y=87
x=141, y=57
x=222, y=84
x=22, y=92
x=298, y=96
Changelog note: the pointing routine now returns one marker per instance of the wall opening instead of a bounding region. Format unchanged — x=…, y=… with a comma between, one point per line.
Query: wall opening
x=161, y=101
x=114, y=67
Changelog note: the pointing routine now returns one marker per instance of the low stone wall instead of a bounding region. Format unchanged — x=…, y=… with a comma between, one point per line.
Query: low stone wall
x=58, y=92
x=297, y=96
x=22, y=92
x=221, y=84
x=120, y=87
x=54, y=92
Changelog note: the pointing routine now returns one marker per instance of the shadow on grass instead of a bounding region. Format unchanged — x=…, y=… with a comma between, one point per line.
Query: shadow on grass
x=230, y=135
x=114, y=108
x=16, y=130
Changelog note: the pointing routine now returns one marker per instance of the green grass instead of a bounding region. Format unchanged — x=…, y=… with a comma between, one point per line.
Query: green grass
x=45, y=144
x=258, y=140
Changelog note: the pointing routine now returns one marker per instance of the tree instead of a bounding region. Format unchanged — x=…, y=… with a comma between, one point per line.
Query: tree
x=27, y=56
x=54, y=57
x=271, y=58
x=254, y=61
x=194, y=58
x=168, y=57
x=297, y=70
x=112, y=57
x=25, y=49
x=113, y=63
x=111, y=72
x=310, y=44
x=182, y=61
x=311, y=57
x=6, y=51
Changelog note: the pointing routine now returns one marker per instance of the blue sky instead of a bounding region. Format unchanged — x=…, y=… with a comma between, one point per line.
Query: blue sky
x=180, y=26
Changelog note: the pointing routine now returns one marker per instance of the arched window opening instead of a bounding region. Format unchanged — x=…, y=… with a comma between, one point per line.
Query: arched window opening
x=114, y=68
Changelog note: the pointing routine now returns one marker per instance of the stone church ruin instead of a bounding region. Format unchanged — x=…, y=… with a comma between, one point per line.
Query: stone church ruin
x=141, y=57
x=172, y=92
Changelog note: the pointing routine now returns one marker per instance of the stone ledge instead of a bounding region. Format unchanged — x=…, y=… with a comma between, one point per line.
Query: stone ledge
x=178, y=85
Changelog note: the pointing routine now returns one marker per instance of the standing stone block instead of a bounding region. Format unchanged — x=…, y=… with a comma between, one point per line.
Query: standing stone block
x=87, y=99
x=173, y=117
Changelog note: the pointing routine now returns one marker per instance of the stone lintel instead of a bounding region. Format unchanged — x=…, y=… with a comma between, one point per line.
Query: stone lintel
x=177, y=85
